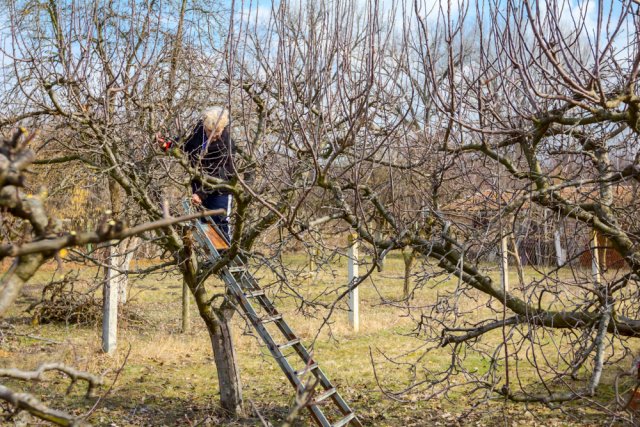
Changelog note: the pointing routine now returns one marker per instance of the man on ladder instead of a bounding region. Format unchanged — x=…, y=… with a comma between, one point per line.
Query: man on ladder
x=210, y=150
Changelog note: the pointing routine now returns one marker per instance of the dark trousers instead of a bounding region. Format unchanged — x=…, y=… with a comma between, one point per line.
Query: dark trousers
x=220, y=201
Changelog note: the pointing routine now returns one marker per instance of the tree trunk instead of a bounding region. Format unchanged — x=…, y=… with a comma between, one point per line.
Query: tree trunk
x=224, y=354
x=186, y=318
x=110, y=305
x=407, y=256
x=19, y=273
x=518, y=261
x=218, y=322
x=561, y=256
x=122, y=262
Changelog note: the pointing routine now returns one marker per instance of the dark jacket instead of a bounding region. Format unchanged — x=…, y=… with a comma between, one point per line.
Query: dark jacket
x=214, y=159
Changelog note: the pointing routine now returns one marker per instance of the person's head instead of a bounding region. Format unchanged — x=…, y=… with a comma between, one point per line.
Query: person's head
x=214, y=120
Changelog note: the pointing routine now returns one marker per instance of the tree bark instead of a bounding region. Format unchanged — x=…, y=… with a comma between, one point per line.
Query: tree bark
x=110, y=306
x=13, y=281
x=226, y=362
x=218, y=322
x=186, y=318
x=123, y=261
x=561, y=256
x=407, y=256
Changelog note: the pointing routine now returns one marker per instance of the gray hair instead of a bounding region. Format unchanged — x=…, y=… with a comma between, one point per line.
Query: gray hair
x=214, y=120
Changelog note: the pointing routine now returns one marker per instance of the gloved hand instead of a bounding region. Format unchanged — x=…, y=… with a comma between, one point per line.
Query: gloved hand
x=163, y=142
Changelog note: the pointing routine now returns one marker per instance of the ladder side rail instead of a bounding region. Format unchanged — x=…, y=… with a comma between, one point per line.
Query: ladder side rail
x=237, y=290
x=283, y=326
x=277, y=354
x=326, y=384
x=202, y=243
x=249, y=283
x=303, y=353
x=214, y=252
x=290, y=334
x=316, y=412
x=337, y=399
x=319, y=416
x=262, y=331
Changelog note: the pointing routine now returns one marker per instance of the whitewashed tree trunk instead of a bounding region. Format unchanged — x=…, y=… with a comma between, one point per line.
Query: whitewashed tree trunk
x=110, y=306
x=595, y=258
x=122, y=261
x=561, y=255
x=115, y=290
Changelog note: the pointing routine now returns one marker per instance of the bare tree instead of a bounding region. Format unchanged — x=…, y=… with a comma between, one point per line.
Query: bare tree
x=104, y=79
x=40, y=240
x=454, y=126
x=436, y=128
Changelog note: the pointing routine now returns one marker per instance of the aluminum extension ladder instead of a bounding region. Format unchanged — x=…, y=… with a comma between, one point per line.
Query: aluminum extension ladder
x=261, y=313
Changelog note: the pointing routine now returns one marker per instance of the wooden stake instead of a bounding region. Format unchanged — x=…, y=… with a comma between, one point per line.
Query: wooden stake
x=518, y=260
x=407, y=256
x=312, y=266
x=504, y=264
x=379, y=237
x=186, y=302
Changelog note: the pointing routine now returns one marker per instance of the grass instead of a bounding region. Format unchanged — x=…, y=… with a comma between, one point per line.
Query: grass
x=169, y=377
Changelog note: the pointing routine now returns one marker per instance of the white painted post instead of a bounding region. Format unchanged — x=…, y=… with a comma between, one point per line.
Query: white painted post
x=595, y=258
x=545, y=239
x=561, y=256
x=110, y=306
x=504, y=264
x=354, y=298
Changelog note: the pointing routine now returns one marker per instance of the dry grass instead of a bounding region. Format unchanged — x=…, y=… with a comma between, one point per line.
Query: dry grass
x=169, y=377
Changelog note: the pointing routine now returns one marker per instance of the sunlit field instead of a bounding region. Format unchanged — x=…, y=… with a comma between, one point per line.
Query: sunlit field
x=161, y=376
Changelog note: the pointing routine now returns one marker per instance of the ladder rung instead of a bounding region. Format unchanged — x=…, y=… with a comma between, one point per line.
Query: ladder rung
x=270, y=319
x=289, y=344
x=237, y=269
x=344, y=421
x=324, y=395
x=253, y=294
x=306, y=369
